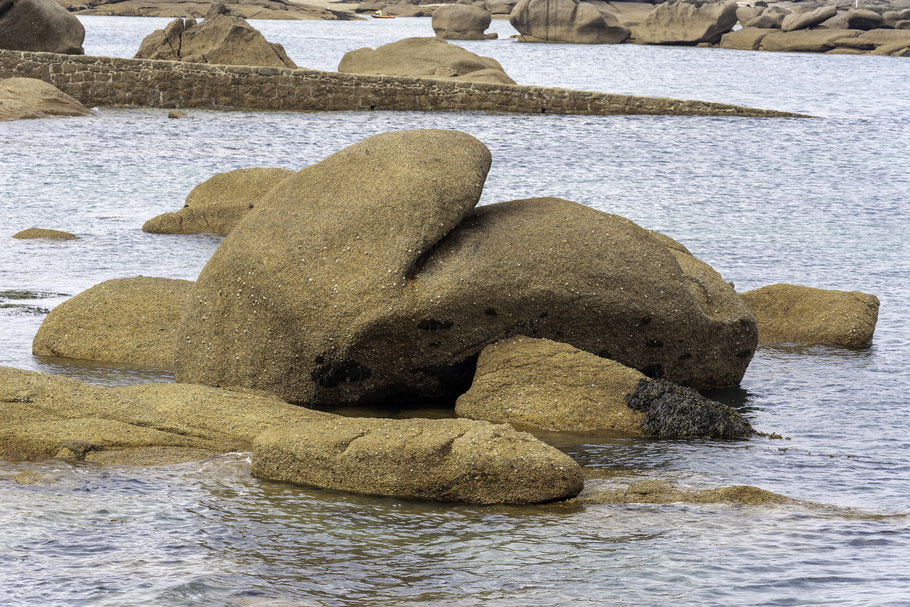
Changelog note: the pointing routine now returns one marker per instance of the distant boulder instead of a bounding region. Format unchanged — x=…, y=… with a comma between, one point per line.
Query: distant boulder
x=770, y=18
x=565, y=21
x=499, y=7
x=805, y=41
x=39, y=233
x=424, y=58
x=40, y=26
x=799, y=21
x=461, y=22
x=745, y=39
x=795, y=314
x=221, y=38
x=687, y=22
x=863, y=19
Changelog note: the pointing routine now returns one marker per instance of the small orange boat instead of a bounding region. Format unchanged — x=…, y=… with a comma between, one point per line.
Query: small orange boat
x=381, y=15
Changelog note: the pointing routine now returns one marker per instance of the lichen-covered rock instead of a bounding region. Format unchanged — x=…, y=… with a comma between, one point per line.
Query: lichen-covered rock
x=745, y=39
x=565, y=21
x=803, y=20
x=806, y=41
x=44, y=416
x=452, y=460
x=42, y=233
x=796, y=314
x=217, y=204
x=221, y=38
x=125, y=320
x=41, y=26
x=424, y=58
x=461, y=22
x=31, y=98
x=687, y=22
x=552, y=386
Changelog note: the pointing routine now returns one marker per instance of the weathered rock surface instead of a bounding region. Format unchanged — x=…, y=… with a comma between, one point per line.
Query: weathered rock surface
x=807, y=41
x=499, y=7
x=799, y=21
x=34, y=233
x=221, y=38
x=796, y=314
x=552, y=386
x=461, y=22
x=659, y=492
x=39, y=25
x=745, y=39
x=862, y=19
x=350, y=282
x=217, y=204
x=565, y=21
x=125, y=320
x=687, y=22
x=31, y=98
x=452, y=460
x=424, y=58
x=44, y=416
x=248, y=9
x=770, y=18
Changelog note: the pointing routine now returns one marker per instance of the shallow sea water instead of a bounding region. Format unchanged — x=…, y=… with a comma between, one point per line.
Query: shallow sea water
x=817, y=202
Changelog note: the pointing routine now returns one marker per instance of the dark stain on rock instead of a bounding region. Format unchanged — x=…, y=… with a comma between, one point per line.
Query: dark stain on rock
x=644, y=320
x=654, y=343
x=343, y=371
x=490, y=311
x=430, y=324
x=654, y=371
x=744, y=354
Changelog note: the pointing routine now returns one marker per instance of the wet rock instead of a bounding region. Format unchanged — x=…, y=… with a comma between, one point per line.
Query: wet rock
x=221, y=38
x=389, y=284
x=687, y=22
x=745, y=39
x=30, y=98
x=804, y=20
x=659, y=492
x=452, y=460
x=217, y=204
x=42, y=233
x=807, y=41
x=565, y=21
x=460, y=22
x=795, y=314
x=552, y=386
x=424, y=58
x=126, y=320
x=41, y=26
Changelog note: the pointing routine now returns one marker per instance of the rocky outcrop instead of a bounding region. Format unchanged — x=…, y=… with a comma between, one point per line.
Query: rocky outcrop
x=391, y=284
x=424, y=58
x=547, y=385
x=659, y=492
x=448, y=460
x=461, y=22
x=39, y=25
x=795, y=314
x=248, y=9
x=125, y=320
x=34, y=233
x=217, y=204
x=565, y=21
x=687, y=22
x=220, y=38
x=770, y=18
x=806, y=41
x=803, y=20
x=31, y=98
x=745, y=39
x=862, y=19
x=499, y=7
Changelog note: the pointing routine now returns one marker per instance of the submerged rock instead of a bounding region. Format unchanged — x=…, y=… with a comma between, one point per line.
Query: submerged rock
x=42, y=233
x=217, y=204
x=687, y=22
x=659, y=492
x=460, y=22
x=795, y=314
x=565, y=21
x=552, y=386
x=126, y=320
x=221, y=38
x=31, y=98
x=452, y=460
x=39, y=26
x=424, y=58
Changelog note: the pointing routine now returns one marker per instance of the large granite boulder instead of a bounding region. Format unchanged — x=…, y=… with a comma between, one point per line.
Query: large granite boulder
x=565, y=21
x=451, y=460
x=804, y=20
x=221, y=38
x=546, y=385
x=368, y=275
x=770, y=18
x=41, y=26
x=499, y=7
x=424, y=58
x=218, y=203
x=806, y=41
x=687, y=22
x=795, y=314
x=125, y=320
x=745, y=39
x=32, y=98
x=461, y=22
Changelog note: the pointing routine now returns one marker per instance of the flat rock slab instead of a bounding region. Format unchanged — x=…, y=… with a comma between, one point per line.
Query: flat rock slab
x=745, y=39
x=659, y=492
x=446, y=460
x=806, y=41
x=32, y=98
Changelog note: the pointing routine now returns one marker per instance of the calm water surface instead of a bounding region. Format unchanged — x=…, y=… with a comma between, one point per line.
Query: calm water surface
x=816, y=202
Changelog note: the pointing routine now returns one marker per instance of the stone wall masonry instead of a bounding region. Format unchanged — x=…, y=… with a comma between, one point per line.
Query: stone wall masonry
x=107, y=81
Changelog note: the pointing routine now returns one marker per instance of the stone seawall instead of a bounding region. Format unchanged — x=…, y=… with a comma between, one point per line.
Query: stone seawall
x=106, y=81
